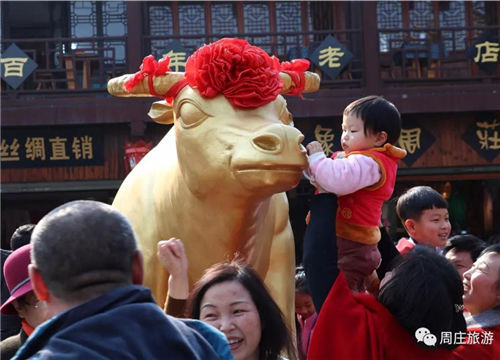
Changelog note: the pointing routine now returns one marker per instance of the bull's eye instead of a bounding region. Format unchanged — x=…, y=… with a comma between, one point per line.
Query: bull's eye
x=190, y=114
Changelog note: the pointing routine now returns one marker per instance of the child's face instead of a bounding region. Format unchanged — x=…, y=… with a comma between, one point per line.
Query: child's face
x=353, y=135
x=432, y=229
x=304, y=305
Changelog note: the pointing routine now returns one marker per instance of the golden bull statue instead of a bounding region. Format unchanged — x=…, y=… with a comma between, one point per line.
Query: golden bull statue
x=217, y=179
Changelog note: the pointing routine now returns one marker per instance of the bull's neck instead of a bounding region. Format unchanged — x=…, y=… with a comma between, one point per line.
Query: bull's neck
x=236, y=220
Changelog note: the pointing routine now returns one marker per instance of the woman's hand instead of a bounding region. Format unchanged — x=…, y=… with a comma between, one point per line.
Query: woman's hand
x=173, y=257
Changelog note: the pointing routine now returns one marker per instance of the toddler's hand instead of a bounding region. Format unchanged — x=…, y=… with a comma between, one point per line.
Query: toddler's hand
x=314, y=147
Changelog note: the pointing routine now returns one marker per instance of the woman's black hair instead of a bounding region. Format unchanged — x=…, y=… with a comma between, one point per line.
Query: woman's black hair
x=495, y=248
x=301, y=284
x=425, y=291
x=275, y=334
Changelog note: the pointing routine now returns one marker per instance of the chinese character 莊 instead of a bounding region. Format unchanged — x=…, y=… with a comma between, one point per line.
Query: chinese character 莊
x=13, y=66
x=325, y=137
x=331, y=56
x=58, y=148
x=10, y=152
x=488, y=135
x=35, y=148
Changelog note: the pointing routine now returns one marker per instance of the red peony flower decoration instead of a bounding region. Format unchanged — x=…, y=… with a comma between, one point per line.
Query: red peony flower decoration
x=246, y=75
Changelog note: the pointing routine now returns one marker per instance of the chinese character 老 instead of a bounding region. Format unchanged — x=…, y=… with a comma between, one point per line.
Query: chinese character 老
x=332, y=56
x=410, y=139
x=488, y=135
x=13, y=66
x=10, y=152
x=35, y=148
x=177, y=59
x=486, y=52
x=58, y=148
x=325, y=137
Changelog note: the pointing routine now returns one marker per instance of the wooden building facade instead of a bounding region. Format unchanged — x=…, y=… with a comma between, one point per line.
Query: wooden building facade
x=415, y=54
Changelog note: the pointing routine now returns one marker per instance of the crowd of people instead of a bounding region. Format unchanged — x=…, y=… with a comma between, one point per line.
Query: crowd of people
x=74, y=280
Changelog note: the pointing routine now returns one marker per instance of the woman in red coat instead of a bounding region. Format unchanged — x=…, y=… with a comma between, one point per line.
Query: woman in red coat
x=422, y=300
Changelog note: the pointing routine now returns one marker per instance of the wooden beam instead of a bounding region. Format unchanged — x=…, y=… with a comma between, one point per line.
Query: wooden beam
x=134, y=35
x=371, y=55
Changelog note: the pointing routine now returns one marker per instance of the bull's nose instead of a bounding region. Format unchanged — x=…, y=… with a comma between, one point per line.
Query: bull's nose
x=267, y=142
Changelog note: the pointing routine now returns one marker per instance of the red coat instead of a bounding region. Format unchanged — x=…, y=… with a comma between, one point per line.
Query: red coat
x=355, y=326
x=479, y=351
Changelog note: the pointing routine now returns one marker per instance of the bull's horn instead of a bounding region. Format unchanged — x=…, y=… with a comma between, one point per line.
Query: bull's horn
x=312, y=82
x=161, y=85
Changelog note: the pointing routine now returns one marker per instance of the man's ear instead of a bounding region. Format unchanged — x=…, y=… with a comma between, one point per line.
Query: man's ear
x=410, y=226
x=137, y=268
x=41, y=290
x=381, y=138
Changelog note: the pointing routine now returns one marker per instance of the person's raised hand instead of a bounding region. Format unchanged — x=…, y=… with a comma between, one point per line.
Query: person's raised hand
x=173, y=257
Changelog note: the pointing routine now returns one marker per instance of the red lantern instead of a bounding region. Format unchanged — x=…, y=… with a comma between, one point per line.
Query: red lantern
x=134, y=152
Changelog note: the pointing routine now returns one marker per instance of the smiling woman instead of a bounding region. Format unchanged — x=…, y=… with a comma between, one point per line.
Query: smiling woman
x=232, y=298
x=482, y=300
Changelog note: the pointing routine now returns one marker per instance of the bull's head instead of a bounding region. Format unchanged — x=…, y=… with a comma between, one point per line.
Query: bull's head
x=240, y=131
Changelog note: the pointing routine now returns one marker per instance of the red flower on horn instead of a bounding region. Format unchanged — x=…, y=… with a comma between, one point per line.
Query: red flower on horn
x=296, y=69
x=246, y=75
x=149, y=67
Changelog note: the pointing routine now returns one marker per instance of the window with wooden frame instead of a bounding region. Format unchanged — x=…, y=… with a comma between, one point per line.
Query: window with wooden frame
x=434, y=21
x=275, y=26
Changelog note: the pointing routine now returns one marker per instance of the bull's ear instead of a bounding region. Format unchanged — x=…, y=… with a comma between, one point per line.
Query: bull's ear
x=161, y=112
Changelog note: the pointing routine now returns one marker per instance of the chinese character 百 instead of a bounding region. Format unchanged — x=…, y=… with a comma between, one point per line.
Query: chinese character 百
x=10, y=152
x=459, y=337
x=490, y=53
x=35, y=148
x=13, y=66
x=487, y=338
x=82, y=147
x=177, y=59
x=325, y=137
x=410, y=139
x=487, y=139
x=331, y=55
x=58, y=148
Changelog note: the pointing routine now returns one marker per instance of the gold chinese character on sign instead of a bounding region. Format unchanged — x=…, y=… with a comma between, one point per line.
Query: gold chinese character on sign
x=58, y=148
x=13, y=66
x=331, y=56
x=487, y=135
x=325, y=137
x=177, y=59
x=82, y=147
x=486, y=52
x=410, y=139
x=10, y=152
x=35, y=148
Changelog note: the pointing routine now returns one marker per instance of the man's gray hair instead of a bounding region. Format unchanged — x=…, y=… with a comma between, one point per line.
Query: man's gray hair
x=83, y=249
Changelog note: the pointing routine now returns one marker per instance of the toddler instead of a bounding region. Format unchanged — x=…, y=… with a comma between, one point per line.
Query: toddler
x=363, y=177
x=305, y=312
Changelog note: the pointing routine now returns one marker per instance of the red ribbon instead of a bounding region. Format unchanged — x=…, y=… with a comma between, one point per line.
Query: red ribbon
x=150, y=68
x=174, y=90
x=295, y=69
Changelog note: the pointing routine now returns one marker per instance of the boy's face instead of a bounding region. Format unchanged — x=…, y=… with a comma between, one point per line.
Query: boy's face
x=432, y=229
